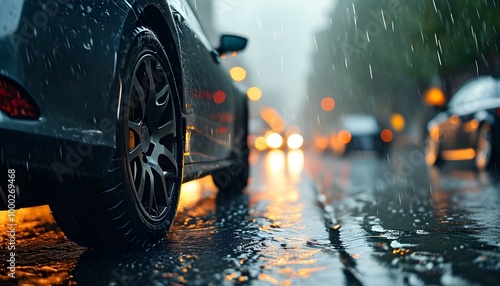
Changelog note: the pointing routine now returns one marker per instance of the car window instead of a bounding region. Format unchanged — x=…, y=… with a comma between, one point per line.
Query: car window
x=477, y=89
x=359, y=123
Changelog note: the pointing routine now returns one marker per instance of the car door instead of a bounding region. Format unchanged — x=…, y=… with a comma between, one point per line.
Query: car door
x=210, y=97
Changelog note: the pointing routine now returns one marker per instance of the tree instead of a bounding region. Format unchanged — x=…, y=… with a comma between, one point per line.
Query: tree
x=378, y=56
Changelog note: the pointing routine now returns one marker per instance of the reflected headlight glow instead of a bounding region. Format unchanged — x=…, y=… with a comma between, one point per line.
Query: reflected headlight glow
x=295, y=141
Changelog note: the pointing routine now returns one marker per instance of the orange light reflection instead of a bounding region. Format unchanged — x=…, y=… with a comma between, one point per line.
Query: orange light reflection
x=459, y=154
x=285, y=212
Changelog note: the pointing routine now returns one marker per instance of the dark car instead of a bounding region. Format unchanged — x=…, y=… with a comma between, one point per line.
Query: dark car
x=106, y=107
x=467, y=128
x=358, y=132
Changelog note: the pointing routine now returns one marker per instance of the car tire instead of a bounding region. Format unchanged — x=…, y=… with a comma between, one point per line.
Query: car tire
x=432, y=157
x=232, y=180
x=135, y=204
x=484, y=150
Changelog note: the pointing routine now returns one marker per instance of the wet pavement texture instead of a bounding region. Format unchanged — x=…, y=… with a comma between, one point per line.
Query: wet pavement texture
x=306, y=218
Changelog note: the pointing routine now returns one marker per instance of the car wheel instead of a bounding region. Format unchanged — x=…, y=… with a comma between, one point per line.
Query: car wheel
x=135, y=204
x=484, y=147
x=233, y=179
x=432, y=151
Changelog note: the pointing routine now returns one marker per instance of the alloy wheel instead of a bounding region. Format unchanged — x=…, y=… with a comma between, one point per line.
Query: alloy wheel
x=152, y=136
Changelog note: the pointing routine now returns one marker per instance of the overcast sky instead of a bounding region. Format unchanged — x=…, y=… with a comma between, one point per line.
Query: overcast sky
x=281, y=40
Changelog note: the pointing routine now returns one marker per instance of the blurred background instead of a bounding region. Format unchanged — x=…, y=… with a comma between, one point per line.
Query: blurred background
x=308, y=64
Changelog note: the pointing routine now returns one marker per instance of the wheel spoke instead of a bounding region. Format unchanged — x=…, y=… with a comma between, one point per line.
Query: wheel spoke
x=151, y=190
x=161, y=175
x=164, y=91
x=151, y=80
x=161, y=150
x=167, y=129
x=140, y=94
x=155, y=112
x=136, y=127
x=135, y=153
x=142, y=183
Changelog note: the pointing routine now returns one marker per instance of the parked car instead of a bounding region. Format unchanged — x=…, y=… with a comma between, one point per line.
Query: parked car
x=359, y=132
x=467, y=128
x=106, y=107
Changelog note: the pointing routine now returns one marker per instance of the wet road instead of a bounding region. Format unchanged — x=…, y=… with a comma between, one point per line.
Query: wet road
x=305, y=219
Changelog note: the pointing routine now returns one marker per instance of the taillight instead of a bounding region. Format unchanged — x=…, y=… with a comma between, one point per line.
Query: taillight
x=498, y=111
x=386, y=135
x=15, y=103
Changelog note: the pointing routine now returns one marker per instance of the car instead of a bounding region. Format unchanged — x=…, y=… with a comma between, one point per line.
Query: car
x=467, y=128
x=360, y=132
x=107, y=107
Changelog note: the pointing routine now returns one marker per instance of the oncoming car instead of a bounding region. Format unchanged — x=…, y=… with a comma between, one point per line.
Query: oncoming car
x=106, y=107
x=360, y=132
x=467, y=128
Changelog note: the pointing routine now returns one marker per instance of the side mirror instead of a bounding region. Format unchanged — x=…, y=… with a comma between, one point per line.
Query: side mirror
x=231, y=43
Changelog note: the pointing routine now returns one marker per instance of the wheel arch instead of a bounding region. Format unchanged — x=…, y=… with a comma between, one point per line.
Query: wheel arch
x=153, y=18
x=157, y=17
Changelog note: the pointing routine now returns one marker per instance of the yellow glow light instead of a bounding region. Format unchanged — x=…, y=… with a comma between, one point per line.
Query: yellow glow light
x=254, y=93
x=238, y=73
x=459, y=154
x=398, y=122
x=295, y=141
x=454, y=119
x=434, y=132
x=435, y=97
x=260, y=143
x=274, y=140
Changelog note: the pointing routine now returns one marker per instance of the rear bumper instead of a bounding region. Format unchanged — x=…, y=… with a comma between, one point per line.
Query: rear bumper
x=43, y=162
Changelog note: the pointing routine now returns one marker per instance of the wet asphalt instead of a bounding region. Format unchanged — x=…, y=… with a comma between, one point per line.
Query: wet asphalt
x=307, y=218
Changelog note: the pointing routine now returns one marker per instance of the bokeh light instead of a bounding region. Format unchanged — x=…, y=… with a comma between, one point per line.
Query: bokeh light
x=327, y=104
x=435, y=97
x=274, y=140
x=238, y=73
x=295, y=141
x=386, y=135
x=398, y=122
x=254, y=93
x=344, y=137
x=219, y=97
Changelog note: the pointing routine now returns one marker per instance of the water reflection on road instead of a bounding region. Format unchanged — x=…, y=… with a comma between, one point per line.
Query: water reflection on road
x=352, y=221
x=268, y=235
x=422, y=226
